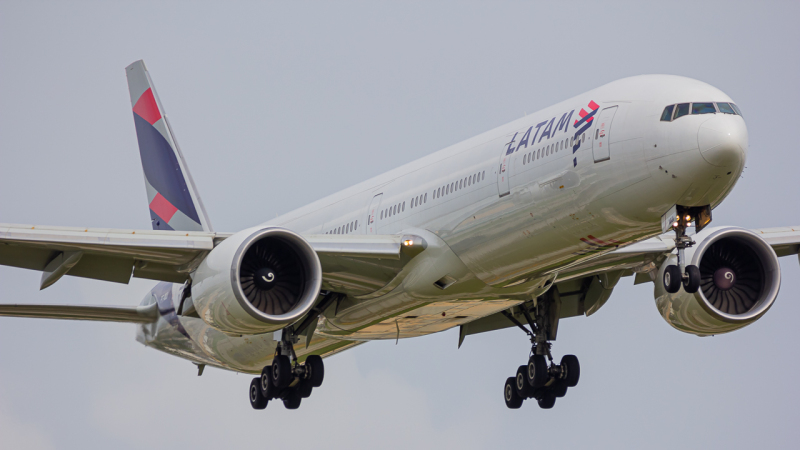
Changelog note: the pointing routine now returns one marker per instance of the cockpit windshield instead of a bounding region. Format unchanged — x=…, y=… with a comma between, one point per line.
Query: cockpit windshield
x=703, y=108
x=725, y=108
x=672, y=112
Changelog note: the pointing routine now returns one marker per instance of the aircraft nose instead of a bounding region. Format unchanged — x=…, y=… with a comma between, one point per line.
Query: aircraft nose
x=723, y=140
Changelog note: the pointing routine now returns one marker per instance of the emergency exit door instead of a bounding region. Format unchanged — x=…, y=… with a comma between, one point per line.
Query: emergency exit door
x=600, y=148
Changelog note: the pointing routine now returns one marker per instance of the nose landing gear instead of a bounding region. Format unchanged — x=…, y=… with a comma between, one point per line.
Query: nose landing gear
x=681, y=274
x=539, y=379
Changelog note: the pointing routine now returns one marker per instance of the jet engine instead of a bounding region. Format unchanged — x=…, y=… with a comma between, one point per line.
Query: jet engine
x=256, y=281
x=740, y=279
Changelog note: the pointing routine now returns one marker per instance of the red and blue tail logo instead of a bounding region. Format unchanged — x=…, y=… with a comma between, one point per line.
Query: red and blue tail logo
x=173, y=199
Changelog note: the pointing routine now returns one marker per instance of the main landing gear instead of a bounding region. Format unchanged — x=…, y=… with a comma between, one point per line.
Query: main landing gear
x=285, y=378
x=539, y=379
x=681, y=274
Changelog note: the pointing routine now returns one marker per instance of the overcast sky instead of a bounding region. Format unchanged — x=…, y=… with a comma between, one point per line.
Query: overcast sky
x=276, y=106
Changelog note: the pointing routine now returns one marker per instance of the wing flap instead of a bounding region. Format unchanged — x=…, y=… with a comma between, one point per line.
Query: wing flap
x=132, y=314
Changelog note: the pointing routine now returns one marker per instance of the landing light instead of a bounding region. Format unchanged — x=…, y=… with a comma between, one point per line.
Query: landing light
x=408, y=242
x=675, y=225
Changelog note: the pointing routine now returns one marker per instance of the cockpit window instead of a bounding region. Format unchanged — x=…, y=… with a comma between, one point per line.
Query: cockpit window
x=725, y=108
x=666, y=116
x=703, y=108
x=736, y=108
x=681, y=110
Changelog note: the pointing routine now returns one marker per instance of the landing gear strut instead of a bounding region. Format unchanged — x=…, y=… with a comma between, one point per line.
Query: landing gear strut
x=286, y=378
x=681, y=274
x=541, y=378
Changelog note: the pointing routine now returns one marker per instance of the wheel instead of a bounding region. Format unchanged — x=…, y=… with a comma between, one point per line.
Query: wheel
x=257, y=399
x=559, y=388
x=304, y=388
x=572, y=369
x=672, y=278
x=292, y=399
x=524, y=389
x=268, y=388
x=281, y=371
x=316, y=370
x=692, y=284
x=537, y=371
x=513, y=400
x=547, y=401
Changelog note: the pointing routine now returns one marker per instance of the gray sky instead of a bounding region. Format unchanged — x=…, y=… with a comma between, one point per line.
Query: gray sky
x=275, y=106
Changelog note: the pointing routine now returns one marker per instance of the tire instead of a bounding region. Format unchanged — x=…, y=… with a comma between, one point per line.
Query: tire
x=559, y=388
x=292, y=400
x=268, y=388
x=304, y=388
x=672, y=278
x=572, y=369
x=257, y=399
x=524, y=389
x=513, y=400
x=692, y=284
x=281, y=371
x=547, y=401
x=316, y=370
x=537, y=373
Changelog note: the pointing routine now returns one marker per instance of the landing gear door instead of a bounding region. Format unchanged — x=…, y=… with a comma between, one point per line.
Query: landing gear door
x=600, y=148
x=504, y=171
x=372, y=213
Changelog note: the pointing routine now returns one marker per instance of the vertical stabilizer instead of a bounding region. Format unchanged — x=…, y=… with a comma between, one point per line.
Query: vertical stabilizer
x=173, y=198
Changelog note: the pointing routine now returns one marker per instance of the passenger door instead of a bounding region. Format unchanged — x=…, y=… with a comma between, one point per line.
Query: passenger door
x=600, y=148
x=372, y=212
x=504, y=171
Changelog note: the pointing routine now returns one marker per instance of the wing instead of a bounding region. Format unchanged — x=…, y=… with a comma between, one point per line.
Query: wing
x=132, y=314
x=354, y=264
x=584, y=287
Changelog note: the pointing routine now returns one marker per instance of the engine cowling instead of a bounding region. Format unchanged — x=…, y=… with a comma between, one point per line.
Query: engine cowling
x=256, y=281
x=740, y=279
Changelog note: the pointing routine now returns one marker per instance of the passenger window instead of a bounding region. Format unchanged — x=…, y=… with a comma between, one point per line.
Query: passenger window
x=666, y=116
x=681, y=109
x=725, y=108
x=736, y=108
x=356, y=224
x=425, y=200
x=404, y=206
x=703, y=108
x=597, y=133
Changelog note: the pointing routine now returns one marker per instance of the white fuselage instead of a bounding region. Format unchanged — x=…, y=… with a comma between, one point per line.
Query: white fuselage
x=509, y=211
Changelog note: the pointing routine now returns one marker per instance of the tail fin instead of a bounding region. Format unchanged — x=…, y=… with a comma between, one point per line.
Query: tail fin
x=173, y=198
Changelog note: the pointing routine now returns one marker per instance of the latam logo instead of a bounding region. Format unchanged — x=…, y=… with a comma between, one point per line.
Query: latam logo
x=581, y=125
x=549, y=128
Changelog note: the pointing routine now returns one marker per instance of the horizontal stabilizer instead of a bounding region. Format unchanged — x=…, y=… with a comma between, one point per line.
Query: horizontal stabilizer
x=131, y=314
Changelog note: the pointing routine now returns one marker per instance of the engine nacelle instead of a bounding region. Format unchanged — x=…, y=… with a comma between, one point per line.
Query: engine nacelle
x=256, y=281
x=740, y=279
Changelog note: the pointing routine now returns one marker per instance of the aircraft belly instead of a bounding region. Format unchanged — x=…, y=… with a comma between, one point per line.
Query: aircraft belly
x=205, y=345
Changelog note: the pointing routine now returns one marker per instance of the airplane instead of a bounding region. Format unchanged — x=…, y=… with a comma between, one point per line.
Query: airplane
x=522, y=226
